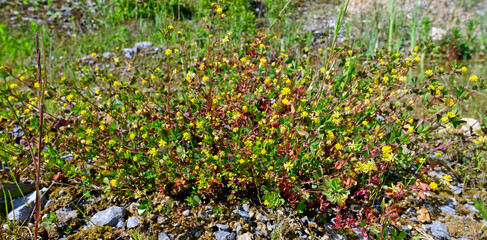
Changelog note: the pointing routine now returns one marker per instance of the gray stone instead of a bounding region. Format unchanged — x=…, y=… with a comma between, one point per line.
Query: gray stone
x=246, y=207
x=202, y=215
x=439, y=230
x=471, y=125
x=66, y=216
x=242, y=214
x=24, y=206
x=121, y=224
x=143, y=45
x=165, y=236
x=437, y=34
x=245, y=236
x=109, y=217
x=223, y=235
x=456, y=190
x=223, y=227
x=262, y=218
x=132, y=222
x=128, y=52
x=471, y=207
x=107, y=55
x=186, y=212
x=447, y=209
x=302, y=235
x=452, y=202
x=61, y=192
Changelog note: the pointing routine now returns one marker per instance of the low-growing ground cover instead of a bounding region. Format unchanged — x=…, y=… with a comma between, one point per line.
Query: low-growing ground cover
x=220, y=119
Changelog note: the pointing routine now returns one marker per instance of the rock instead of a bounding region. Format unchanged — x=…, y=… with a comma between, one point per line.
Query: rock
x=143, y=45
x=447, y=209
x=109, y=217
x=246, y=236
x=24, y=206
x=452, y=202
x=223, y=227
x=245, y=207
x=165, y=236
x=456, y=190
x=439, y=230
x=107, y=55
x=471, y=125
x=471, y=207
x=66, y=216
x=53, y=231
x=238, y=227
x=202, y=215
x=121, y=224
x=186, y=212
x=242, y=214
x=128, y=52
x=423, y=215
x=437, y=34
x=223, y=235
x=16, y=190
x=132, y=222
x=302, y=235
x=161, y=220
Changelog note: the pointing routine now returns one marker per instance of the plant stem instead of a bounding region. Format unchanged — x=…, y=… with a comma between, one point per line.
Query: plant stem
x=39, y=146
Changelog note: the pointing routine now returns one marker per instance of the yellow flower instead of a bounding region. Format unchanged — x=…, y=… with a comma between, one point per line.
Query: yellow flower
x=170, y=27
x=168, y=51
x=464, y=69
x=429, y=72
x=36, y=85
x=93, y=54
x=285, y=101
x=144, y=136
x=266, y=202
x=135, y=158
x=132, y=136
x=285, y=91
x=450, y=115
x=473, y=78
x=365, y=123
x=446, y=179
x=444, y=119
x=338, y=146
x=288, y=166
x=152, y=151
x=13, y=86
x=186, y=136
x=386, y=150
x=263, y=152
x=113, y=182
x=205, y=79
x=417, y=58
x=235, y=129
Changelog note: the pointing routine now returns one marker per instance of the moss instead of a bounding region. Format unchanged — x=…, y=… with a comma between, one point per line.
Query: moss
x=94, y=232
